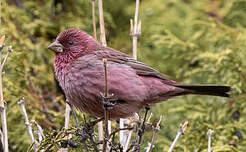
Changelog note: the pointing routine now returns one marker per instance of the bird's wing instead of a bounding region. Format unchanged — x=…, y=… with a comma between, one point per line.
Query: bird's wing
x=139, y=67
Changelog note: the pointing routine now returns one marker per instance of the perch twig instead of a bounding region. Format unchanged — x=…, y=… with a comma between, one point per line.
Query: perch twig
x=105, y=106
x=181, y=131
x=156, y=129
x=104, y=43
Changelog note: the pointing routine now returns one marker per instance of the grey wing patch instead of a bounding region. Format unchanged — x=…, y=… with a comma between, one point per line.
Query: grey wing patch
x=143, y=69
x=139, y=67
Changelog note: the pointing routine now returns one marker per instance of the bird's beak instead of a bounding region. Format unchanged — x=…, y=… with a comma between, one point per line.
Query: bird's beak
x=56, y=46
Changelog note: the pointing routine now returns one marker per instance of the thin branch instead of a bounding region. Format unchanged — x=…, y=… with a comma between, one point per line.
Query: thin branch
x=101, y=18
x=105, y=108
x=21, y=103
x=3, y=106
x=40, y=129
x=148, y=147
x=66, y=125
x=141, y=131
x=209, y=133
x=6, y=56
x=181, y=131
x=105, y=77
x=67, y=116
x=119, y=129
x=156, y=129
x=128, y=140
x=135, y=30
x=94, y=19
x=73, y=114
x=100, y=132
x=150, y=116
x=86, y=132
x=104, y=43
x=40, y=137
x=3, y=109
x=122, y=133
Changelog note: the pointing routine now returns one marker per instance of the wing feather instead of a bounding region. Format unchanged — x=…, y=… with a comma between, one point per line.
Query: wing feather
x=139, y=67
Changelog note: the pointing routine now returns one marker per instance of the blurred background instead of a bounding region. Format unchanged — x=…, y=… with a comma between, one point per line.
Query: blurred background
x=192, y=41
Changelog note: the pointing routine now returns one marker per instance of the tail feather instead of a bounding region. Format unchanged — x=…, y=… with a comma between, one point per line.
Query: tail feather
x=214, y=90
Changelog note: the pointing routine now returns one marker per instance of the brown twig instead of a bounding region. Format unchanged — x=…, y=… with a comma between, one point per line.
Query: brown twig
x=105, y=108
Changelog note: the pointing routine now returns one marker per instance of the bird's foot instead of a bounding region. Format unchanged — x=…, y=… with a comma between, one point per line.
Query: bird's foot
x=108, y=101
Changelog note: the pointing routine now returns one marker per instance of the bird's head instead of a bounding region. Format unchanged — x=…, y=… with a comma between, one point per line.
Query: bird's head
x=73, y=41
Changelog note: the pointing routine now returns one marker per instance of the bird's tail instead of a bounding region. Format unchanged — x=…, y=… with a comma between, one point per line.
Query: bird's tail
x=214, y=90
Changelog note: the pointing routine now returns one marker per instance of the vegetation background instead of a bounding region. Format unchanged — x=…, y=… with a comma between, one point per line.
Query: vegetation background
x=193, y=41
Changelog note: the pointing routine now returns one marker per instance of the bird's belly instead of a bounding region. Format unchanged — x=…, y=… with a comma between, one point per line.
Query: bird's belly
x=85, y=95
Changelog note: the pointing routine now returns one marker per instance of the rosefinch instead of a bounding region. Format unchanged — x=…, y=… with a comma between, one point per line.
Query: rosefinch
x=79, y=69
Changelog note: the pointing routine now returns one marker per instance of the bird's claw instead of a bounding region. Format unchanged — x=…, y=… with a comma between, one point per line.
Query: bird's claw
x=108, y=102
x=108, y=105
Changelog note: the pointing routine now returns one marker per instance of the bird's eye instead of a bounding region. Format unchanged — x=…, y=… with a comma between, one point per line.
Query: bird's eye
x=70, y=42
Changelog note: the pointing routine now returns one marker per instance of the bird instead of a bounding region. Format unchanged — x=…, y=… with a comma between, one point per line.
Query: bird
x=79, y=69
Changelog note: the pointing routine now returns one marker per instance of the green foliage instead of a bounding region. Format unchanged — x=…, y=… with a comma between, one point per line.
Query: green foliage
x=192, y=41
